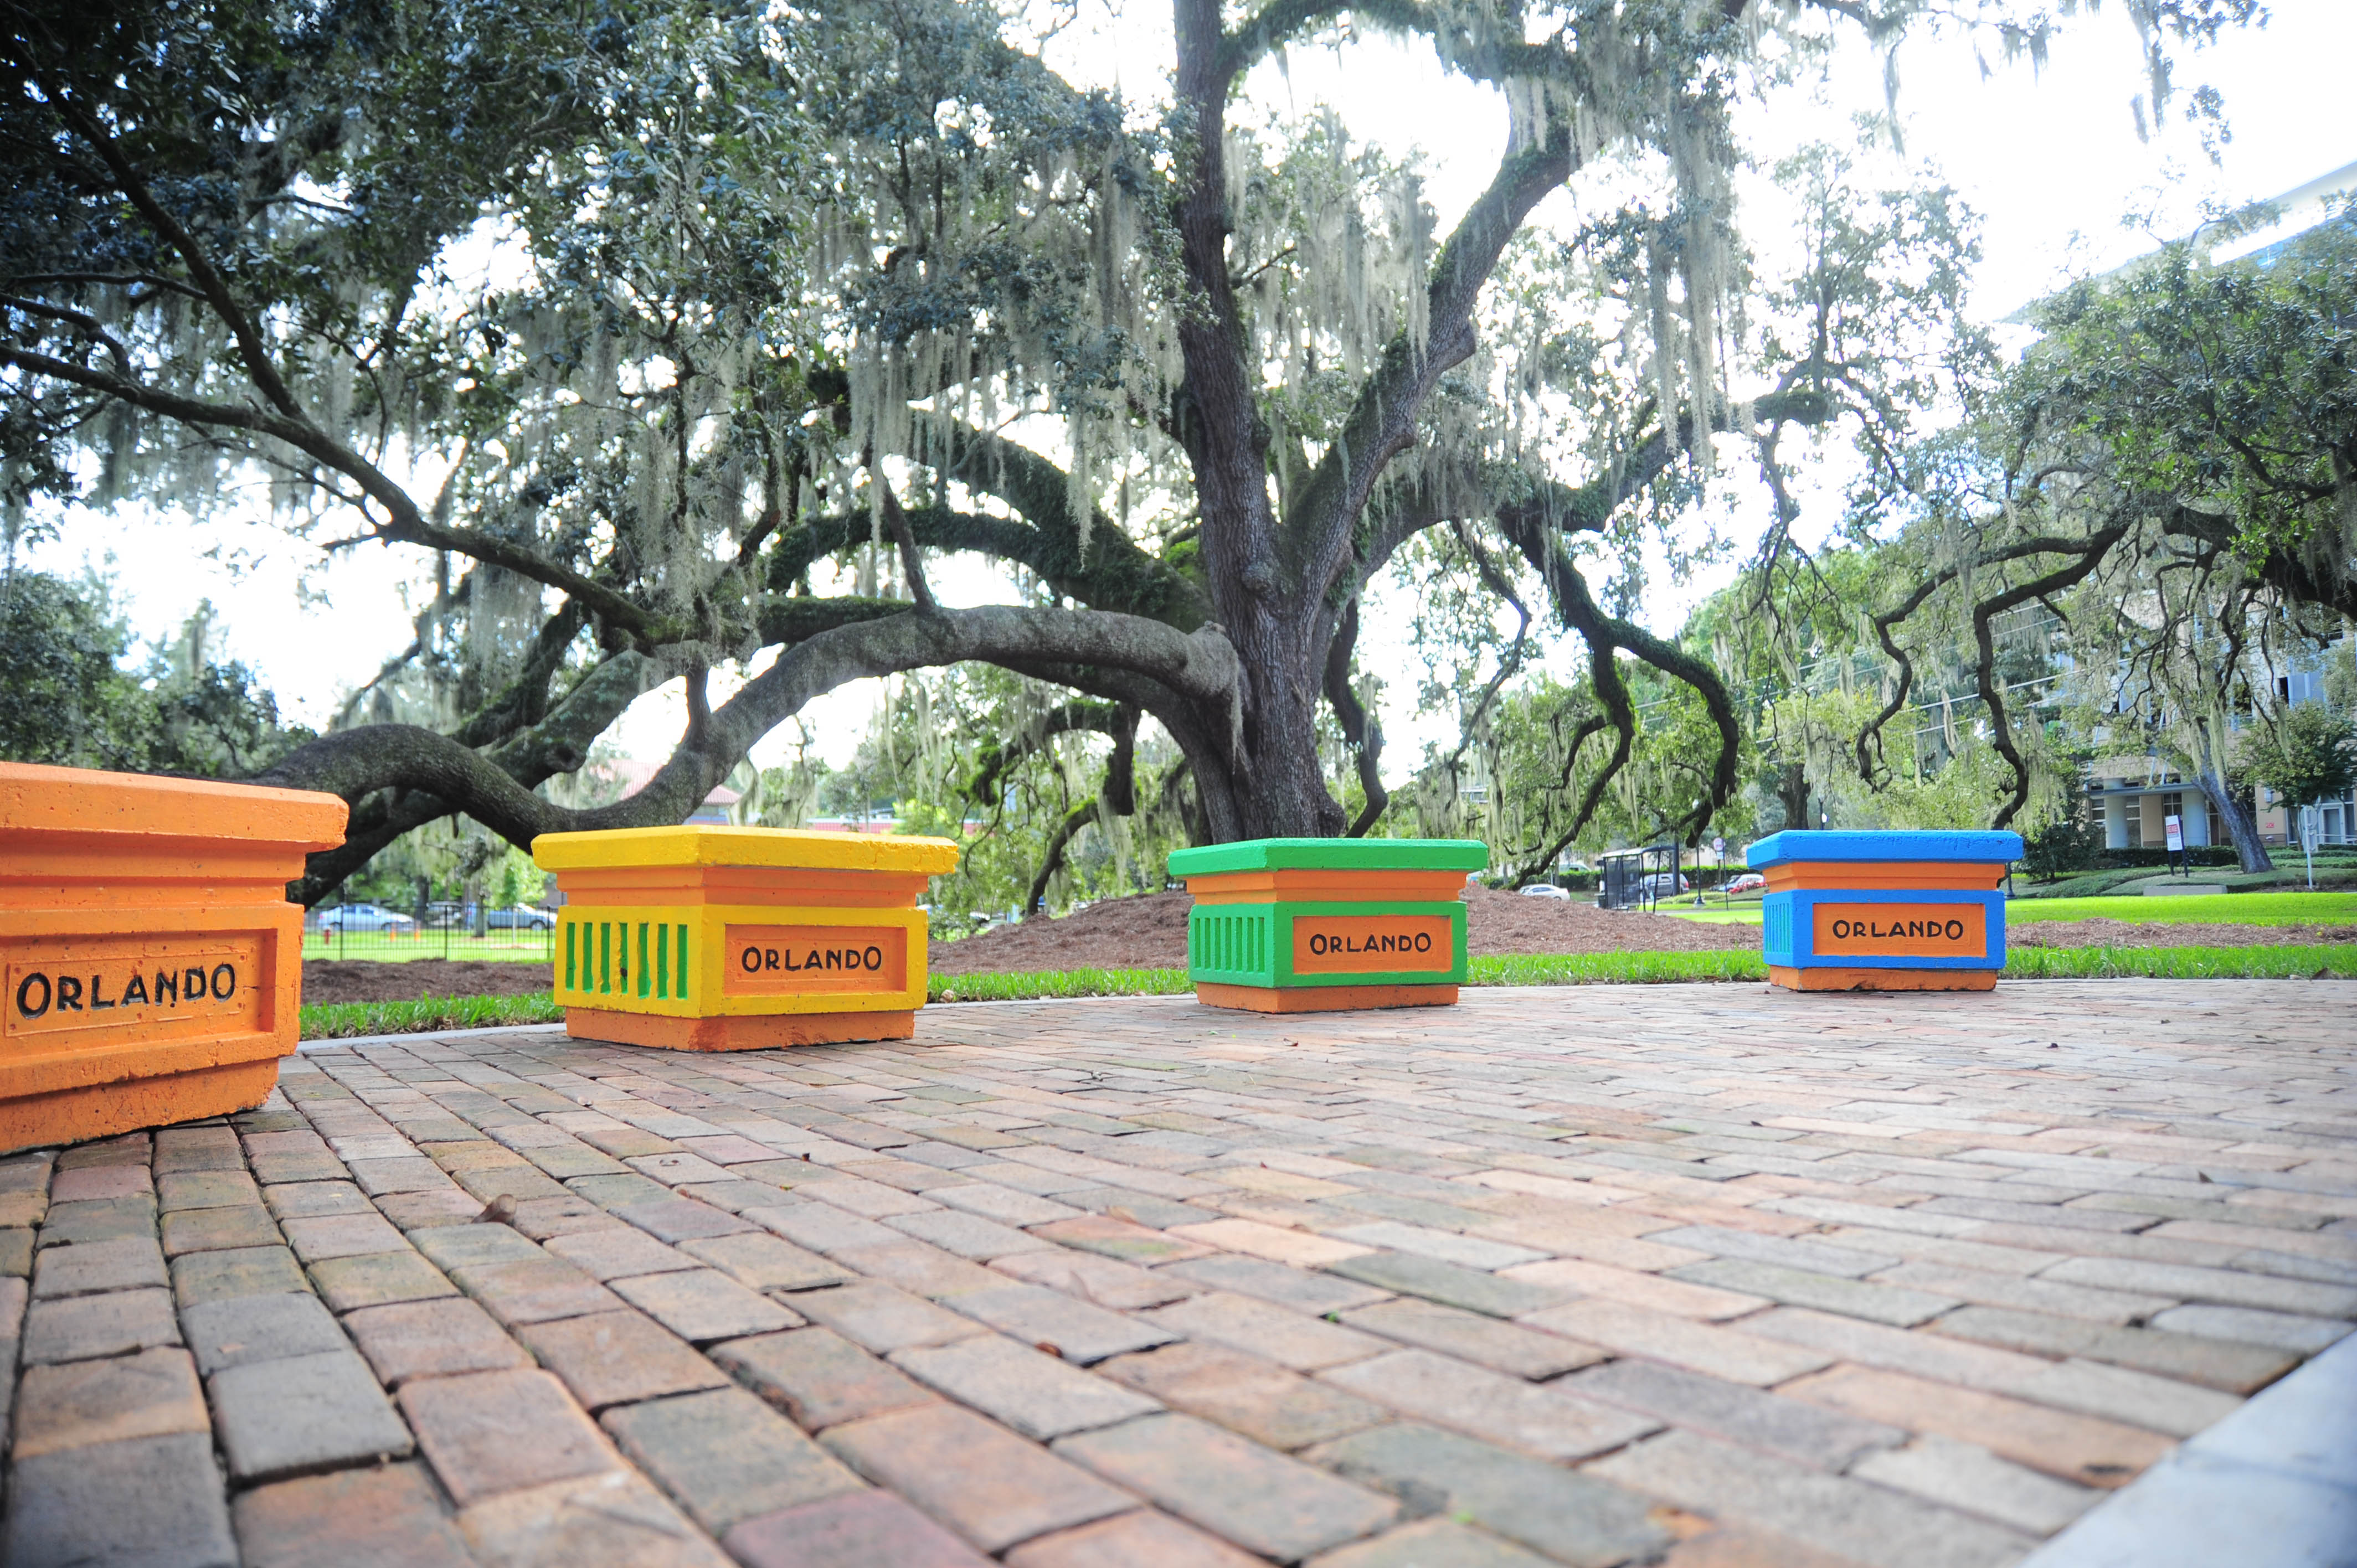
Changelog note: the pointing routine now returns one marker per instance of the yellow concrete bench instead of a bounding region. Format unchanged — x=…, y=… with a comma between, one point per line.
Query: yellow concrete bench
x=712, y=938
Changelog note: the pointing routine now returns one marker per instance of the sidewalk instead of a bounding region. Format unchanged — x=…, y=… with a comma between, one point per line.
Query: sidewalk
x=1708, y=1275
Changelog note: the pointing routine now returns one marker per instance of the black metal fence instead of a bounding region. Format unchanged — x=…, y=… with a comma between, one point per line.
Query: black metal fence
x=447, y=939
x=1637, y=878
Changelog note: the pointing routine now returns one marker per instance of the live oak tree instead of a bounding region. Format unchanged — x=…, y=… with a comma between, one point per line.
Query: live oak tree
x=646, y=322
x=2305, y=755
x=2171, y=474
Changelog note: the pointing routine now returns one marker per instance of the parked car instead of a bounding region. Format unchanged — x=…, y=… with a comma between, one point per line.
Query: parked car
x=523, y=918
x=1750, y=881
x=363, y=917
x=1545, y=890
x=1663, y=883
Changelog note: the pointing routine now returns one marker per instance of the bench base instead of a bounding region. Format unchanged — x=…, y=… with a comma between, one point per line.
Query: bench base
x=1322, y=998
x=103, y=1110
x=1882, y=979
x=742, y=1032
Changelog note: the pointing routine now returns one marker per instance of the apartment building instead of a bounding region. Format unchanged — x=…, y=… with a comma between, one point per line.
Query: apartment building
x=2131, y=798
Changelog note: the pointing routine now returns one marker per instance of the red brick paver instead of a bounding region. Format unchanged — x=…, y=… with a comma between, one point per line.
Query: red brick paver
x=1705, y=1276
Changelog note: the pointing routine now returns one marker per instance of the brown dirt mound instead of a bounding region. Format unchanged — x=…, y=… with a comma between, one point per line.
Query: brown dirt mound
x=364, y=979
x=2103, y=933
x=1146, y=932
x=1151, y=932
x=1496, y=924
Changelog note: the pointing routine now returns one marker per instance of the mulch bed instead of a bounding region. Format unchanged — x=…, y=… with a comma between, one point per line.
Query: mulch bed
x=364, y=979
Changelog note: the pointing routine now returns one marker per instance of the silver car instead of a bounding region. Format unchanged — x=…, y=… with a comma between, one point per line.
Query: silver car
x=362, y=917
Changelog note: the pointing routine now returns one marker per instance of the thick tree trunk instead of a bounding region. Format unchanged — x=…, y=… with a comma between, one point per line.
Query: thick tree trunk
x=2243, y=833
x=1792, y=793
x=1268, y=612
x=1285, y=793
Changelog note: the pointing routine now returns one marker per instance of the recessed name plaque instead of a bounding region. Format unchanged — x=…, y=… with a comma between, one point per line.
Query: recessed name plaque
x=798, y=960
x=164, y=989
x=150, y=965
x=1367, y=944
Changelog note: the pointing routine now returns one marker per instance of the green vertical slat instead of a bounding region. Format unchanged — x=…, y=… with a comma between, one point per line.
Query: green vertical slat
x=606, y=957
x=663, y=963
x=645, y=980
x=570, y=927
x=683, y=963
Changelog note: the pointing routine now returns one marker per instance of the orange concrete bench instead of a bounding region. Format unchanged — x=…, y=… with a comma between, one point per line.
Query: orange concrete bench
x=150, y=965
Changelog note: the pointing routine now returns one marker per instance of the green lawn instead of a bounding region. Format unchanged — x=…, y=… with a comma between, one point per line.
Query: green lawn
x=342, y=1020
x=1737, y=914
x=2225, y=909
x=1057, y=983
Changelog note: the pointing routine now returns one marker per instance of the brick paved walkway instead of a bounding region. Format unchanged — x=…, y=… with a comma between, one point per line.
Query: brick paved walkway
x=1698, y=1273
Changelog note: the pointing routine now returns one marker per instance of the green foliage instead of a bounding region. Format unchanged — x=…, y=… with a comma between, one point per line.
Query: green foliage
x=2232, y=386
x=2305, y=753
x=921, y=763
x=2068, y=845
x=517, y=881
x=72, y=695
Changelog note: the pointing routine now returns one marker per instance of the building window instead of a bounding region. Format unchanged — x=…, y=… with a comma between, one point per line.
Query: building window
x=2131, y=820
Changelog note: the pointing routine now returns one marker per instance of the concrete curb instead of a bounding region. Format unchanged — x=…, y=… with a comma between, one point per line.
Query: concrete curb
x=308, y=1046
x=2272, y=1486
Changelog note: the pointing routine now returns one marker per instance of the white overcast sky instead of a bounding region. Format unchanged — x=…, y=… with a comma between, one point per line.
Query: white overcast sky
x=2051, y=159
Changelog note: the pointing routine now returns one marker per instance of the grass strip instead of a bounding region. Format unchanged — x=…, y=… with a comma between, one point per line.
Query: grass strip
x=2230, y=909
x=343, y=1020
x=1616, y=967
x=2320, y=962
x=1057, y=982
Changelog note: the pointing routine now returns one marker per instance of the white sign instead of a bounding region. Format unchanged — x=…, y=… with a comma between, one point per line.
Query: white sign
x=2175, y=829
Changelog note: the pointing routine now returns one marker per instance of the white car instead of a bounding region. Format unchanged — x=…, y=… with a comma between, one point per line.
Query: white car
x=1545, y=890
x=362, y=917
